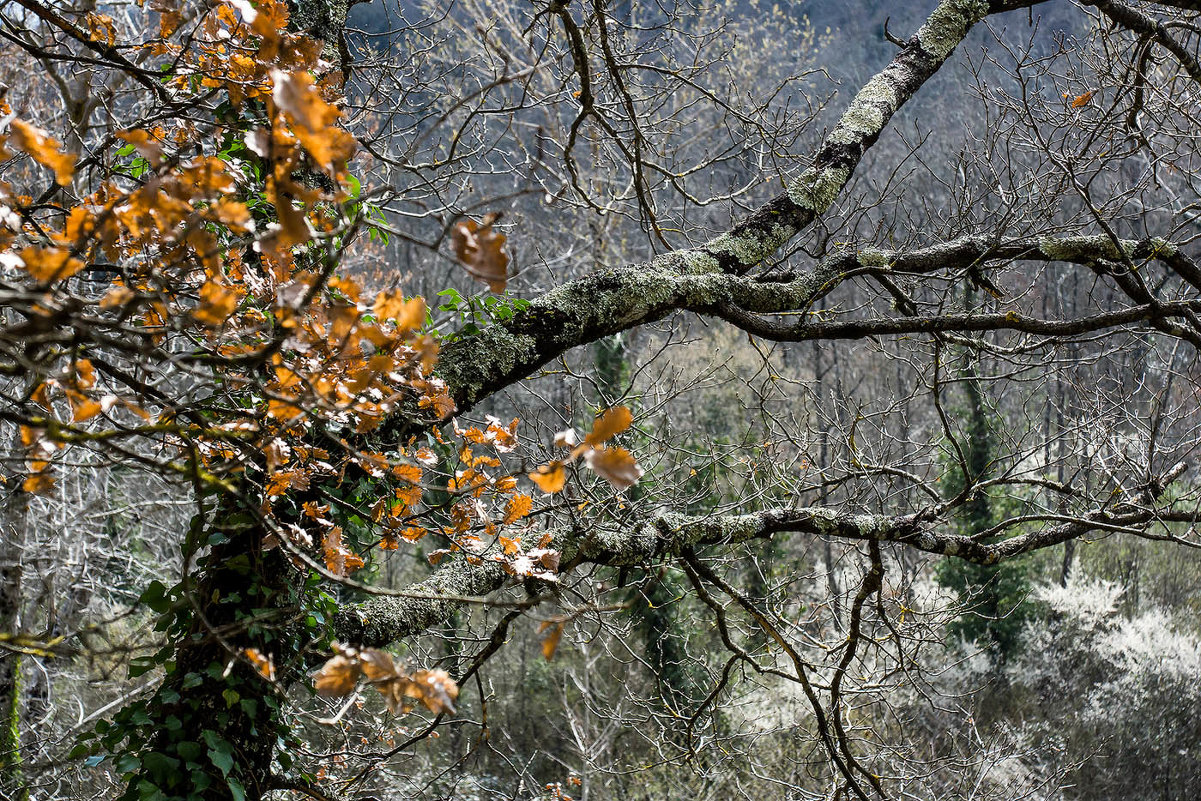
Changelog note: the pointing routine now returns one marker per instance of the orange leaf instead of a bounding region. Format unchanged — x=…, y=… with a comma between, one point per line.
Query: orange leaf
x=83, y=408
x=144, y=143
x=101, y=28
x=340, y=560
x=283, y=411
x=608, y=425
x=550, y=478
x=117, y=296
x=518, y=507
x=436, y=689
x=265, y=665
x=312, y=118
x=217, y=303
x=50, y=264
x=44, y=150
x=38, y=484
x=295, y=95
x=377, y=665
x=615, y=465
x=408, y=313
x=410, y=473
x=1083, y=99
x=550, y=641
x=232, y=213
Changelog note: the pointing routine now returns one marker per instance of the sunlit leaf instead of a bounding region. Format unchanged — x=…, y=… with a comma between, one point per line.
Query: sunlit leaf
x=217, y=303
x=408, y=313
x=608, y=425
x=550, y=478
x=615, y=465
x=44, y=150
x=47, y=265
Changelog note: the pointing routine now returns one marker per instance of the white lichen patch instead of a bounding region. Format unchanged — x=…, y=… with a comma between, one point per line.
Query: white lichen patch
x=868, y=112
x=752, y=247
x=862, y=118
x=1162, y=248
x=948, y=24
x=817, y=189
x=699, y=262
x=879, y=90
x=873, y=257
x=1085, y=248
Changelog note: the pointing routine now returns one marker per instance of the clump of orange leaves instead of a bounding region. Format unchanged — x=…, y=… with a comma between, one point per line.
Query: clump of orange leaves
x=400, y=687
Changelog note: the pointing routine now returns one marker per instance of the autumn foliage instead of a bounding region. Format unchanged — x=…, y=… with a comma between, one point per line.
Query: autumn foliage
x=180, y=305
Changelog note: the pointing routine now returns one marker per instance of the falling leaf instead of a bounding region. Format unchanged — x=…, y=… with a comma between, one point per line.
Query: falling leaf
x=608, y=425
x=265, y=665
x=437, y=689
x=38, y=484
x=377, y=665
x=83, y=408
x=550, y=478
x=615, y=465
x=480, y=249
x=552, y=632
x=117, y=296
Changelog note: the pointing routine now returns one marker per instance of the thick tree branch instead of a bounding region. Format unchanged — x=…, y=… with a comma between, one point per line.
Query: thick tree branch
x=383, y=620
x=611, y=301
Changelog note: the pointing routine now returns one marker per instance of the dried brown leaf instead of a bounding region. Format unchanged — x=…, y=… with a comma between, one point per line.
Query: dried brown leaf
x=337, y=676
x=481, y=250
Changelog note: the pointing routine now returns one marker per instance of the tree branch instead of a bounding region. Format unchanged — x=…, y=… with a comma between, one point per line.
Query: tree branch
x=383, y=620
